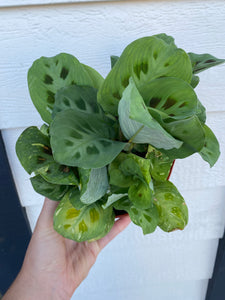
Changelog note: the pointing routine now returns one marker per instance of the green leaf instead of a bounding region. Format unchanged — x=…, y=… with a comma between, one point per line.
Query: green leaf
x=147, y=219
x=194, y=81
x=118, y=190
x=33, y=149
x=89, y=223
x=172, y=96
x=201, y=112
x=94, y=184
x=189, y=130
x=141, y=195
x=145, y=59
x=79, y=98
x=136, y=166
x=166, y=38
x=173, y=212
x=123, y=204
x=74, y=198
x=160, y=164
x=49, y=190
x=113, y=59
x=116, y=175
x=45, y=129
x=112, y=199
x=128, y=169
x=48, y=74
x=138, y=125
x=97, y=78
x=211, y=150
x=201, y=62
x=58, y=174
x=83, y=140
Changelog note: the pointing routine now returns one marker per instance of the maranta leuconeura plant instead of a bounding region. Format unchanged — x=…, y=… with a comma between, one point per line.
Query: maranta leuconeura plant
x=109, y=144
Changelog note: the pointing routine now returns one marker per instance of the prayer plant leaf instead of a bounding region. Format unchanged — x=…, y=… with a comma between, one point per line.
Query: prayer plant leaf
x=59, y=174
x=45, y=129
x=49, y=190
x=123, y=204
x=201, y=62
x=83, y=140
x=116, y=175
x=97, y=78
x=113, y=59
x=201, y=112
x=48, y=74
x=74, y=198
x=112, y=199
x=128, y=169
x=160, y=164
x=145, y=59
x=190, y=131
x=94, y=184
x=173, y=212
x=211, y=150
x=166, y=38
x=86, y=224
x=147, y=219
x=194, y=81
x=172, y=96
x=138, y=125
x=79, y=98
x=33, y=149
x=141, y=195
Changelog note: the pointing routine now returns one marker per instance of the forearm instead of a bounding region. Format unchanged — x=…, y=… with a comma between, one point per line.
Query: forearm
x=25, y=287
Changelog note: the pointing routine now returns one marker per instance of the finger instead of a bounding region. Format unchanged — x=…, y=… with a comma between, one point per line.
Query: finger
x=119, y=226
x=47, y=212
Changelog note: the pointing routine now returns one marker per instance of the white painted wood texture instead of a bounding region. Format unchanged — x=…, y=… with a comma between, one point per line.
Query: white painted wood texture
x=13, y=3
x=185, y=290
x=94, y=32
x=145, y=267
x=159, y=266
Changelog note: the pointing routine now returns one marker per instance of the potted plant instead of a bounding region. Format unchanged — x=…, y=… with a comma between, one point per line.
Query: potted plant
x=108, y=145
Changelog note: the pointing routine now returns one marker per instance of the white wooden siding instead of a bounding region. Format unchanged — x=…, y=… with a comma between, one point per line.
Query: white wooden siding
x=135, y=267
x=13, y=3
x=94, y=32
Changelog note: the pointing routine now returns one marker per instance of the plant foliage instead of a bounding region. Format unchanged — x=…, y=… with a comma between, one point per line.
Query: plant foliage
x=108, y=145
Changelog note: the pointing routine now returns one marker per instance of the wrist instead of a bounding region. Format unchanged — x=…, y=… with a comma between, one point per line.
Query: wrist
x=29, y=287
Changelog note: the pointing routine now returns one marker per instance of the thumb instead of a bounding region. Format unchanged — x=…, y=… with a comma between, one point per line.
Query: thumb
x=46, y=216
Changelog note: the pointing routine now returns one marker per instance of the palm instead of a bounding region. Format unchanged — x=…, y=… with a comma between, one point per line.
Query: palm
x=65, y=261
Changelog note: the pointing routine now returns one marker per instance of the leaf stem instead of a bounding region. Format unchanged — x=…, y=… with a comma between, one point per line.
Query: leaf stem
x=131, y=139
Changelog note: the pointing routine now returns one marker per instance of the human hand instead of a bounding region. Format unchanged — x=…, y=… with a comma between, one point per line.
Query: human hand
x=55, y=266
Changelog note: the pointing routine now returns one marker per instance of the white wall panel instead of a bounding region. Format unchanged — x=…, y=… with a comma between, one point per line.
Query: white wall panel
x=182, y=290
x=92, y=33
x=140, y=265
x=11, y=3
